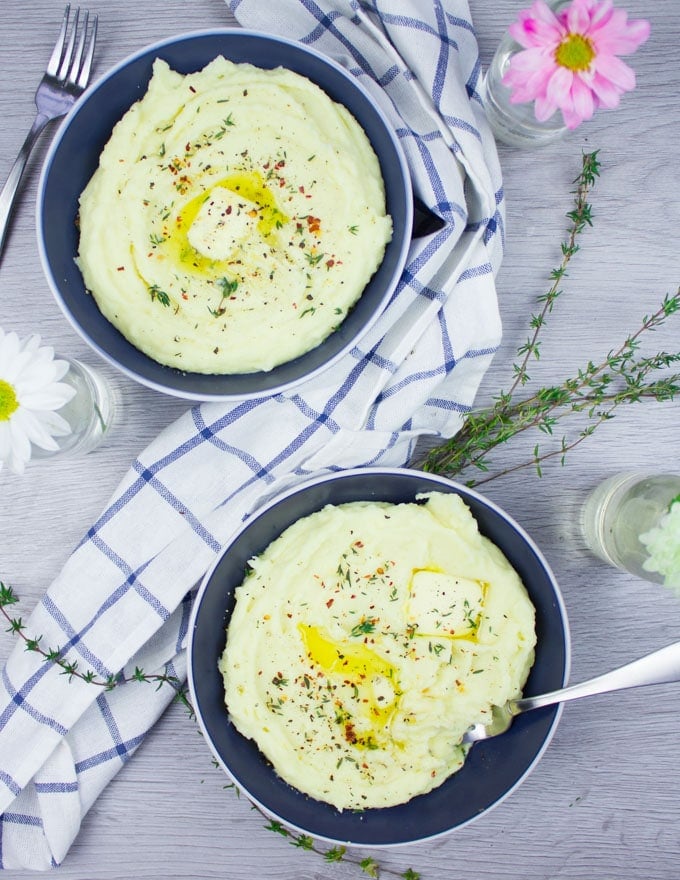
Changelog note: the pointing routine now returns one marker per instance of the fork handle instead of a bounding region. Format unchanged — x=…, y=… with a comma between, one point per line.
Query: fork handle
x=9, y=190
x=656, y=668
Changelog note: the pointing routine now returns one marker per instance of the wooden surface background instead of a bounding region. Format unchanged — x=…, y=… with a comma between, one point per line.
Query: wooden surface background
x=603, y=802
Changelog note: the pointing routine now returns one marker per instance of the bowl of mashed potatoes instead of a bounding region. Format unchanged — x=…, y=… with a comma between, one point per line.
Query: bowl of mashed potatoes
x=350, y=633
x=224, y=214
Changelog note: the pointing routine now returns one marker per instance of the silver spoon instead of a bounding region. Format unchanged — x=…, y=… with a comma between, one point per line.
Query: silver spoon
x=656, y=668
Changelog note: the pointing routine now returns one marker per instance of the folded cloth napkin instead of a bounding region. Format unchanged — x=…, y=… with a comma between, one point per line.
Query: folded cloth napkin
x=123, y=598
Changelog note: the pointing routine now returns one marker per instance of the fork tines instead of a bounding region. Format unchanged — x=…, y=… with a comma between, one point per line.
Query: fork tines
x=71, y=62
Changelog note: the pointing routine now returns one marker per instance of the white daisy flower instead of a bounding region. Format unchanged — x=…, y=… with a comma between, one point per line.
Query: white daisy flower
x=30, y=394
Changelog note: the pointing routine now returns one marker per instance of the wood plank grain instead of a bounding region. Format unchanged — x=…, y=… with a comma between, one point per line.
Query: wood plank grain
x=603, y=801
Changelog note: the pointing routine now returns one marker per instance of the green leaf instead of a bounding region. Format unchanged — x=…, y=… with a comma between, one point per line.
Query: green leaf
x=277, y=828
x=336, y=854
x=369, y=866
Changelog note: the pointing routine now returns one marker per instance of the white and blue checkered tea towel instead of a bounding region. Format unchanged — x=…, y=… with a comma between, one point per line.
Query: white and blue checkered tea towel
x=122, y=598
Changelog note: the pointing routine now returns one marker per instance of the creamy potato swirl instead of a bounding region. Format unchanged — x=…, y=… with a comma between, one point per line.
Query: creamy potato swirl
x=367, y=639
x=235, y=217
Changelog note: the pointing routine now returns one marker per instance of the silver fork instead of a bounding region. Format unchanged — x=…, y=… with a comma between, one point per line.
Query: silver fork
x=658, y=668
x=66, y=76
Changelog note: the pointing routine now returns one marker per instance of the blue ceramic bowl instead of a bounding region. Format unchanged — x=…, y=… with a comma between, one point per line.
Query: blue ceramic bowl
x=493, y=769
x=74, y=156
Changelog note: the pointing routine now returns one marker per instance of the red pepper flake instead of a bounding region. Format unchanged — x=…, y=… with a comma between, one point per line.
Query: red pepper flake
x=282, y=182
x=329, y=603
x=185, y=296
x=192, y=89
x=301, y=189
x=330, y=264
x=120, y=269
x=280, y=164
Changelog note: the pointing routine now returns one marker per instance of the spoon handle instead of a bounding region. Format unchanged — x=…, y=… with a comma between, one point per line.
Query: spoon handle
x=657, y=668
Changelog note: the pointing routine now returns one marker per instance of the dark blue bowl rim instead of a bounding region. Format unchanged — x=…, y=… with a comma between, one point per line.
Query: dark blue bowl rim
x=412, y=822
x=293, y=373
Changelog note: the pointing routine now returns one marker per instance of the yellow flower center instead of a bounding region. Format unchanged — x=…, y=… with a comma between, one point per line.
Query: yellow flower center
x=575, y=52
x=8, y=401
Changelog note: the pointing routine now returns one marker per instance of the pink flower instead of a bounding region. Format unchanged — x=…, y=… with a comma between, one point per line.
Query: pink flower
x=569, y=61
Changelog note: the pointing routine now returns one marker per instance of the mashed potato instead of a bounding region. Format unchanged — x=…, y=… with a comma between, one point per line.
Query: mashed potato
x=367, y=639
x=237, y=214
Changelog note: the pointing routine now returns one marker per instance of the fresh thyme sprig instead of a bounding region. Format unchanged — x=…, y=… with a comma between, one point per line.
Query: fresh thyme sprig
x=580, y=216
x=368, y=865
x=70, y=667
x=595, y=392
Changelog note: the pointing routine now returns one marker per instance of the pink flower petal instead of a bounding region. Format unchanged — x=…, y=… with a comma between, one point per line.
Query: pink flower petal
x=607, y=94
x=528, y=61
x=530, y=82
x=582, y=98
x=571, y=118
x=559, y=87
x=531, y=33
x=536, y=26
x=578, y=17
x=537, y=84
x=616, y=71
x=620, y=37
x=544, y=109
x=542, y=12
x=601, y=14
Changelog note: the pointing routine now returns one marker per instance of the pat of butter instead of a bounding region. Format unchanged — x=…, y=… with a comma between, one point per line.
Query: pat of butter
x=444, y=603
x=223, y=222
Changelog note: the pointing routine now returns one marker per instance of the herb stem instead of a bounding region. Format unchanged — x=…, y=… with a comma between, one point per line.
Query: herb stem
x=594, y=392
x=70, y=667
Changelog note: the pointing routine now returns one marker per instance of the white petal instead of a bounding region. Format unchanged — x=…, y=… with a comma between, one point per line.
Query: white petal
x=26, y=425
x=8, y=351
x=51, y=397
x=14, y=368
x=55, y=424
x=32, y=344
x=5, y=441
x=61, y=368
x=20, y=444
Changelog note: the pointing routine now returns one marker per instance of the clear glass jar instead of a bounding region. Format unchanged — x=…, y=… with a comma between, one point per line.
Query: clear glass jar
x=516, y=124
x=622, y=510
x=89, y=413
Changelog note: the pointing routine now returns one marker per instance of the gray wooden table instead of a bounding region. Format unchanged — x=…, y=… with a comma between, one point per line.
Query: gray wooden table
x=603, y=802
